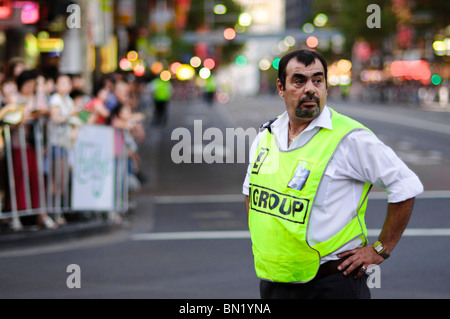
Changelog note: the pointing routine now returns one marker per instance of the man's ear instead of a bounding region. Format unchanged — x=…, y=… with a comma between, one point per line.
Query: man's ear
x=280, y=88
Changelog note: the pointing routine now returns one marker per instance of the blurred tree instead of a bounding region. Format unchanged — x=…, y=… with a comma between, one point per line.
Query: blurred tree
x=201, y=15
x=410, y=18
x=350, y=17
x=202, y=18
x=430, y=15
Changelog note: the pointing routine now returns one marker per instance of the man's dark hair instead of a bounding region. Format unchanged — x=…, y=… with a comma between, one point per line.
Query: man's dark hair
x=306, y=57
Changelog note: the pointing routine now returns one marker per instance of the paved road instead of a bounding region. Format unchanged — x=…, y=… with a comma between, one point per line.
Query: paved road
x=187, y=237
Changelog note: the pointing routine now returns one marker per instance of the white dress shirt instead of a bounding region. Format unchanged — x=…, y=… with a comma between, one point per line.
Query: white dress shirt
x=360, y=157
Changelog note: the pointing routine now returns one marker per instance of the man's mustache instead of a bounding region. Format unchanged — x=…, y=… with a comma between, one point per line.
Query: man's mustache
x=310, y=98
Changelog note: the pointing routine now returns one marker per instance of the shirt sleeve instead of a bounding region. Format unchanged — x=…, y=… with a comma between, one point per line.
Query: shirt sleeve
x=362, y=156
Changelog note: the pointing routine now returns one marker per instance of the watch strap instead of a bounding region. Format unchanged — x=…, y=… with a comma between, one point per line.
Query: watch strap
x=380, y=250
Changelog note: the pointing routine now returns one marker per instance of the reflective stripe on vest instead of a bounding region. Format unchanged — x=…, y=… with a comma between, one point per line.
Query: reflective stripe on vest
x=282, y=190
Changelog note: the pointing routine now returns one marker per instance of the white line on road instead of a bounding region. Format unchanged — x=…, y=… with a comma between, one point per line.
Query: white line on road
x=193, y=199
x=243, y=234
x=239, y=198
x=237, y=234
x=416, y=232
x=397, y=119
x=424, y=195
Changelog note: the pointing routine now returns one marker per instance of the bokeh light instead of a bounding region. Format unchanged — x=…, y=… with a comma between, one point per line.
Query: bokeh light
x=174, y=67
x=204, y=73
x=245, y=19
x=276, y=63
x=320, y=20
x=241, y=60
x=312, y=42
x=344, y=65
x=229, y=34
x=436, y=79
x=308, y=28
x=195, y=61
x=157, y=67
x=209, y=63
x=264, y=64
x=222, y=98
x=125, y=64
x=289, y=41
x=165, y=75
x=220, y=9
x=185, y=72
x=132, y=55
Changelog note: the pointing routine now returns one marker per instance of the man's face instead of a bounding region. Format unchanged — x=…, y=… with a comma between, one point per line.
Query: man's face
x=305, y=93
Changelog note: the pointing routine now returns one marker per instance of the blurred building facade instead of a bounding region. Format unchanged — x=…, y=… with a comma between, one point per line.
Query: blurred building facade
x=93, y=38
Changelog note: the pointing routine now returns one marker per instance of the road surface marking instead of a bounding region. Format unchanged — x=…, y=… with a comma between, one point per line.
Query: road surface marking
x=236, y=234
x=397, y=119
x=245, y=234
x=239, y=198
x=193, y=199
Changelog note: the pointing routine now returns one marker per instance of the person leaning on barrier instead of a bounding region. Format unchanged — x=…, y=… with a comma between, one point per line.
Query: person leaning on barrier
x=8, y=92
x=33, y=106
x=98, y=112
x=306, y=190
x=61, y=104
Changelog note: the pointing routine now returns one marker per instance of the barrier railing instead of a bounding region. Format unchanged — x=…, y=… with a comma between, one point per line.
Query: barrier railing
x=62, y=168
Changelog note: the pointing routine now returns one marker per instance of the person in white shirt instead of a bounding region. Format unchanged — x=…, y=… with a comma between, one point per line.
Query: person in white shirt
x=61, y=103
x=360, y=158
x=62, y=109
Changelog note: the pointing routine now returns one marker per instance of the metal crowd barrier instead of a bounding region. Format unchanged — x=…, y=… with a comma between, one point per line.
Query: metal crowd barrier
x=51, y=179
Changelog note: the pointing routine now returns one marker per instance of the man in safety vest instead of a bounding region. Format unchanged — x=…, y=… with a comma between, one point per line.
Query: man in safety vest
x=162, y=93
x=306, y=188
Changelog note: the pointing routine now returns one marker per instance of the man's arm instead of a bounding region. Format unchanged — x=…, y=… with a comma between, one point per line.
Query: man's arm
x=397, y=218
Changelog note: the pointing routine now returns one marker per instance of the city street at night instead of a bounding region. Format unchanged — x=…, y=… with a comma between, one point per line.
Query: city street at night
x=208, y=151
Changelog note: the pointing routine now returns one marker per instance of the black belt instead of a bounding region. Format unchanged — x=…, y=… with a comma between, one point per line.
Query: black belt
x=329, y=268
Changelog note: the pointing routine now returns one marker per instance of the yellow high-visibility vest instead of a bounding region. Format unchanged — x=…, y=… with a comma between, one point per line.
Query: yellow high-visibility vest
x=283, y=186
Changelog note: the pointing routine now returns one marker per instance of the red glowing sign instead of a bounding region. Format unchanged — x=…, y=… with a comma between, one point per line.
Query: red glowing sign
x=5, y=9
x=29, y=11
x=412, y=70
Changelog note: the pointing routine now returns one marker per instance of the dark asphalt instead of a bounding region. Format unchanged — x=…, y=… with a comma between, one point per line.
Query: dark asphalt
x=114, y=265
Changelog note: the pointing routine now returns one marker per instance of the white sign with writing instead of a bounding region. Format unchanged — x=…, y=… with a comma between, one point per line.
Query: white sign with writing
x=93, y=169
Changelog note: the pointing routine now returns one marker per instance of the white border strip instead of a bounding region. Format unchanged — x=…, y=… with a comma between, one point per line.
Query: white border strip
x=244, y=234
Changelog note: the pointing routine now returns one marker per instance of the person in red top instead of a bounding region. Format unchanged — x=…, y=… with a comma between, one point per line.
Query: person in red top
x=97, y=108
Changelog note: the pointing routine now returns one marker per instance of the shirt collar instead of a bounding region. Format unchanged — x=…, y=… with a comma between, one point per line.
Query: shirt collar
x=323, y=120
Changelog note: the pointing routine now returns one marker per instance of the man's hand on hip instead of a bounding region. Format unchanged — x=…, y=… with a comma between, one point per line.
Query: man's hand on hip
x=359, y=258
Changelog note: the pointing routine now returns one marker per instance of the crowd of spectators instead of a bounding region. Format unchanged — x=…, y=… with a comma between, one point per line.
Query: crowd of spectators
x=61, y=99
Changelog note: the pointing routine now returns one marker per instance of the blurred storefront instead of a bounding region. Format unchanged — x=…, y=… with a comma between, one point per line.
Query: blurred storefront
x=406, y=60
x=75, y=37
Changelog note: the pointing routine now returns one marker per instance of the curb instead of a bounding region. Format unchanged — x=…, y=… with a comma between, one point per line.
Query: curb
x=72, y=230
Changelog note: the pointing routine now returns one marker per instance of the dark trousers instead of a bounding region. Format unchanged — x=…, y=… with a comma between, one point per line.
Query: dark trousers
x=336, y=286
x=160, y=116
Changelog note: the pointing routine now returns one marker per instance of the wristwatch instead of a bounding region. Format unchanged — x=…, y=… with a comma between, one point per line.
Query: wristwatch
x=379, y=248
